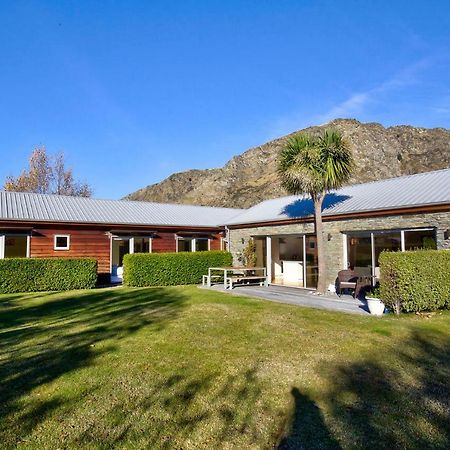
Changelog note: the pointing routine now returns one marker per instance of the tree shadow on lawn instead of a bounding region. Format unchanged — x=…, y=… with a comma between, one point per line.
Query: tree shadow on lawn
x=401, y=403
x=41, y=342
x=185, y=408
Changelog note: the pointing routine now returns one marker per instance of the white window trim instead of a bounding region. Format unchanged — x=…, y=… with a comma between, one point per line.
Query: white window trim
x=131, y=245
x=132, y=238
x=345, y=244
x=56, y=236
x=223, y=243
x=2, y=247
x=402, y=240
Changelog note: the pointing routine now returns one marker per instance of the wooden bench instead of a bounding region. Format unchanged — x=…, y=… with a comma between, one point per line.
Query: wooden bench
x=230, y=281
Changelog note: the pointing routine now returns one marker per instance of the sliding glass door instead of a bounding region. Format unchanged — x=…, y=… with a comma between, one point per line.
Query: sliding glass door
x=364, y=248
x=14, y=246
x=293, y=259
x=121, y=246
x=359, y=253
x=311, y=262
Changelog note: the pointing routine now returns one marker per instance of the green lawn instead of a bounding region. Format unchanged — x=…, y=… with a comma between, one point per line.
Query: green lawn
x=189, y=368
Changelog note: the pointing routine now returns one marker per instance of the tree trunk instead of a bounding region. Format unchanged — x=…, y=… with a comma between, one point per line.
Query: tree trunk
x=321, y=254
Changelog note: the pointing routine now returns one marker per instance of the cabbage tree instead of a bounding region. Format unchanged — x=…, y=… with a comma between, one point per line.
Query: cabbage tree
x=315, y=165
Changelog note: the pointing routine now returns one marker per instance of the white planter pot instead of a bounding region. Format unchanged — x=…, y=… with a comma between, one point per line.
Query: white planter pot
x=375, y=305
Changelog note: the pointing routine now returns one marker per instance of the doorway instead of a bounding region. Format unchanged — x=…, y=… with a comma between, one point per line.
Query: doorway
x=291, y=259
x=121, y=246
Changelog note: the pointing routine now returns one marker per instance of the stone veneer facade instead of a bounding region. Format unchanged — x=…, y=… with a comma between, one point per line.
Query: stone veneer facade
x=335, y=230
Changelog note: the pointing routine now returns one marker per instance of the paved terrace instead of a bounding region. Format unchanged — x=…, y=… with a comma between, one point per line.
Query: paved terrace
x=300, y=297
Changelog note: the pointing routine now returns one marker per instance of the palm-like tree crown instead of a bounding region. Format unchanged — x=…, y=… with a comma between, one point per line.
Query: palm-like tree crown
x=315, y=165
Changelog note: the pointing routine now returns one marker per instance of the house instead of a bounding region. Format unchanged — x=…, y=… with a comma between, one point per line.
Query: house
x=360, y=221
x=45, y=226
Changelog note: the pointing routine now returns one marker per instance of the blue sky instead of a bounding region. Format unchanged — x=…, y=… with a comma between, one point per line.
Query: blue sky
x=134, y=91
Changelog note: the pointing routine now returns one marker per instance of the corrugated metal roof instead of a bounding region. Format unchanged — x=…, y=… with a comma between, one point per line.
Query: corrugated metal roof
x=413, y=190
x=57, y=208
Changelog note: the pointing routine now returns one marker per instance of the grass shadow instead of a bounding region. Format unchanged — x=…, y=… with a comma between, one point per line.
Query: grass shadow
x=178, y=412
x=403, y=404
x=43, y=340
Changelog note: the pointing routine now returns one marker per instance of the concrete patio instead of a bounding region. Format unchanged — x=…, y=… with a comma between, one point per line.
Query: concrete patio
x=300, y=297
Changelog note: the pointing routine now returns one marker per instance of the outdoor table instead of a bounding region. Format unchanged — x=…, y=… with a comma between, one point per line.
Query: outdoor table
x=226, y=270
x=364, y=281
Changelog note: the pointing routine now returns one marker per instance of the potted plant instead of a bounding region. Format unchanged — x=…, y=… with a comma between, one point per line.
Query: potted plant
x=375, y=305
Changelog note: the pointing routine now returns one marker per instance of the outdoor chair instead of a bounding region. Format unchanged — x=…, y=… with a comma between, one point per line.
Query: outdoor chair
x=346, y=279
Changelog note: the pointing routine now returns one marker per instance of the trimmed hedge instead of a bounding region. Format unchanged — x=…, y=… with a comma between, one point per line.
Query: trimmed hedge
x=170, y=269
x=415, y=280
x=46, y=274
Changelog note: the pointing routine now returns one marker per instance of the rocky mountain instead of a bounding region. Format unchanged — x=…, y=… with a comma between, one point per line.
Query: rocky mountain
x=252, y=176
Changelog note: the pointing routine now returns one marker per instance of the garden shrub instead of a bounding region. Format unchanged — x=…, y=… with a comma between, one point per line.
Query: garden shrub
x=46, y=274
x=169, y=269
x=416, y=280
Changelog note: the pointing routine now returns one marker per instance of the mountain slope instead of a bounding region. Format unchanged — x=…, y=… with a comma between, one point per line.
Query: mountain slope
x=252, y=176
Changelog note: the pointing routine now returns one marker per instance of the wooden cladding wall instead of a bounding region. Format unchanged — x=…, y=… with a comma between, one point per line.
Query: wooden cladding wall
x=164, y=242
x=95, y=243
x=83, y=244
x=216, y=242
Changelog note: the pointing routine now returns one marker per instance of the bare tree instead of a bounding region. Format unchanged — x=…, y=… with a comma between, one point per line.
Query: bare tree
x=64, y=182
x=47, y=175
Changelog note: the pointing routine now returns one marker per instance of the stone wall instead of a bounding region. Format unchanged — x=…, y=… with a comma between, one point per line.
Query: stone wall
x=334, y=231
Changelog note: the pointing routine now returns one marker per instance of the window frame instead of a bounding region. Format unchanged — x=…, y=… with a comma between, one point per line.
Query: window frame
x=194, y=244
x=193, y=240
x=57, y=248
x=373, y=233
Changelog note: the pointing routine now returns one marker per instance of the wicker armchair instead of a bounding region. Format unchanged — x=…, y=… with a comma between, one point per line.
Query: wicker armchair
x=346, y=279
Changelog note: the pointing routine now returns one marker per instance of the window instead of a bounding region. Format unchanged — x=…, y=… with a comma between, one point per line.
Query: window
x=142, y=245
x=201, y=245
x=415, y=239
x=191, y=244
x=184, y=244
x=364, y=249
x=62, y=242
x=390, y=241
x=359, y=253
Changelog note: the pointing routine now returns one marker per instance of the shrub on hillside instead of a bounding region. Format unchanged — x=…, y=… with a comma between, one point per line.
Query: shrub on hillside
x=169, y=269
x=415, y=280
x=46, y=274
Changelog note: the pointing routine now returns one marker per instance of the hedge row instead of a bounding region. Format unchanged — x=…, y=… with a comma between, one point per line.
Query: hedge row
x=46, y=274
x=169, y=269
x=415, y=281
